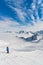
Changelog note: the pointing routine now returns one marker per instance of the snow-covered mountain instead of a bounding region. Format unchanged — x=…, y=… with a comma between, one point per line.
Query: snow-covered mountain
x=33, y=37
x=20, y=51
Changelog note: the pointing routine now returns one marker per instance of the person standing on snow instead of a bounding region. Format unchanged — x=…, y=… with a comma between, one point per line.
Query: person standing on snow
x=7, y=49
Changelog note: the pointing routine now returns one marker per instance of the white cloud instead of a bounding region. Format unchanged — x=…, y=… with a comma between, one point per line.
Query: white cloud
x=21, y=14
x=33, y=6
x=39, y=1
x=17, y=3
x=36, y=27
x=8, y=24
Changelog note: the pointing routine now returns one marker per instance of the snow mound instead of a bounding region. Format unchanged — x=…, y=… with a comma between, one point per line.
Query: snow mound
x=3, y=43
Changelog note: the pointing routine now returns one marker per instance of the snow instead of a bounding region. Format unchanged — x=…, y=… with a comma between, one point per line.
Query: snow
x=21, y=52
x=22, y=58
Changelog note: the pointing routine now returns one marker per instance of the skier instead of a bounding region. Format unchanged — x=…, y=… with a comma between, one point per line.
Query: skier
x=7, y=49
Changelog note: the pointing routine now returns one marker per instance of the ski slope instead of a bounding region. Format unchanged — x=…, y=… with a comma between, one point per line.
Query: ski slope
x=21, y=52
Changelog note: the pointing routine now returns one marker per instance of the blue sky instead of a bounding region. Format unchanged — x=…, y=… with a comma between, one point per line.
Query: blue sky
x=6, y=11
x=19, y=11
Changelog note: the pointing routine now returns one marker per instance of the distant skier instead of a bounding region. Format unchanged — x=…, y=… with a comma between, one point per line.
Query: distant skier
x=7, y=49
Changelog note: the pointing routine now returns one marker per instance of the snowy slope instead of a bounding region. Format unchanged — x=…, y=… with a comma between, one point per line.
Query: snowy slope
x=22, y=58
x=21, y=52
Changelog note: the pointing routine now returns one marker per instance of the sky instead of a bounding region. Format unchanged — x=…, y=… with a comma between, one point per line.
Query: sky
x=20, y=12
x=6, y=11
